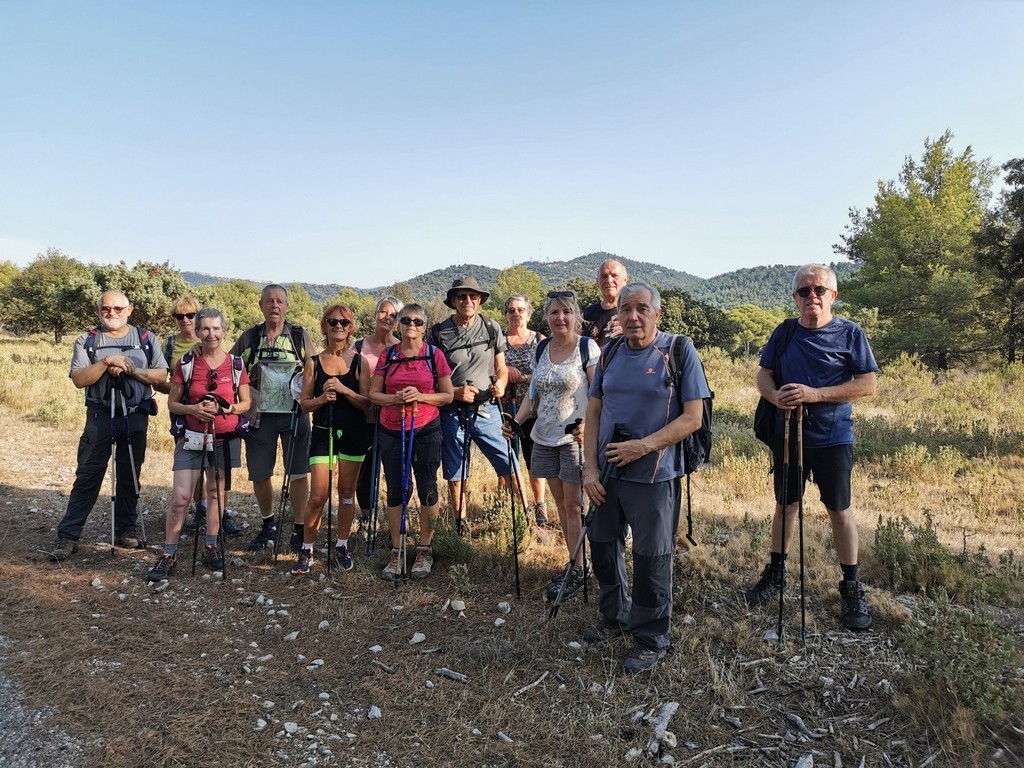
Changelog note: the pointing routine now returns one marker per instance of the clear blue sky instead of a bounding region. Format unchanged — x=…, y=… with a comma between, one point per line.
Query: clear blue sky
x=367, y=142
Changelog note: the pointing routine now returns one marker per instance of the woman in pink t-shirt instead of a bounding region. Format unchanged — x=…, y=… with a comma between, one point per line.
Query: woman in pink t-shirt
x=413, y=377
x=209, y=405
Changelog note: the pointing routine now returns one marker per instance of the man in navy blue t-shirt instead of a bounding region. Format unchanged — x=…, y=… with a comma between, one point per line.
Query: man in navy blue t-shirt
x=825, y=364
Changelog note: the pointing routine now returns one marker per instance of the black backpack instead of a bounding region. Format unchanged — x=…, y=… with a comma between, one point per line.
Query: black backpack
x=696, y=446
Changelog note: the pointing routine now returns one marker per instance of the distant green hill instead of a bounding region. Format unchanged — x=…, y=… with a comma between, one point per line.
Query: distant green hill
x=766, y=287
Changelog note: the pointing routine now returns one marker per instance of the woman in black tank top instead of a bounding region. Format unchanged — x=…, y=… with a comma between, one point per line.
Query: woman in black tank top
x=330, y=391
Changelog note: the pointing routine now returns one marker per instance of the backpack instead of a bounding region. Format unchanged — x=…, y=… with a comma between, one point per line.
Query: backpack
x=391, y=358
x=584, y=350
x=696, y=446
x=764, y=414
x=145, y=344
x=492, y=337
x=188, y=364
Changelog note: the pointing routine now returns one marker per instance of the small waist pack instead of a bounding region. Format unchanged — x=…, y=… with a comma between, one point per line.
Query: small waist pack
x=198, y=441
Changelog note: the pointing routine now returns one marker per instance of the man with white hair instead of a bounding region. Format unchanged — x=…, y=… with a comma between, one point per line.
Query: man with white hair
x=117, y=365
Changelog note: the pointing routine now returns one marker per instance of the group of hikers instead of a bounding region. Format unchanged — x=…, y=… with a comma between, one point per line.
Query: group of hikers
x=600, y=407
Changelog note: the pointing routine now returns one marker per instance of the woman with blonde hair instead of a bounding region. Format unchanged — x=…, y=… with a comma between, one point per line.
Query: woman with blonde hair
x=330, y=391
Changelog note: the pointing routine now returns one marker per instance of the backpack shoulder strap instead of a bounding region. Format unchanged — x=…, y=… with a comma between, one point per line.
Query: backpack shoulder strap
x=297, y=334
x=585, y=351
x=90, y=344
x=255, y=334
x=146, y=342
x=540, y=349
x=358, y=346
x=609, y=351
x=188, y=365
x=169, y=347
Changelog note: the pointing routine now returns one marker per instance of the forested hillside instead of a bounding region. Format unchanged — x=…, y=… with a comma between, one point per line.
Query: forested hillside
x=766, y=287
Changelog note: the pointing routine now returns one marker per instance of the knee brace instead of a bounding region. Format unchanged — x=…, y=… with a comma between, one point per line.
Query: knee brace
x=652, y=580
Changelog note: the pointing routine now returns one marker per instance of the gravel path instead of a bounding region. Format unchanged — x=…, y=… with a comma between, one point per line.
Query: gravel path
x=29, y=740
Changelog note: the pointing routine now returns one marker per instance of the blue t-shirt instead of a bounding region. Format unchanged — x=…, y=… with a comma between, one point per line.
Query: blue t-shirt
x=822, y=357
x=636, y=390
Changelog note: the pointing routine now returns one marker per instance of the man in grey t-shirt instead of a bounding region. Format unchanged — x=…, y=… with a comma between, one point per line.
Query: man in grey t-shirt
x=475, y=348
x=637, y=390
x=114, y=363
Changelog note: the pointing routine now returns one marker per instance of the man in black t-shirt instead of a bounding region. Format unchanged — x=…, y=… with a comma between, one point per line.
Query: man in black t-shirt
x=600, y=319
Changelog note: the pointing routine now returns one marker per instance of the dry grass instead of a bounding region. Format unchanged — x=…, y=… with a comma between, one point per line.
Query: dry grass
x=180, y=677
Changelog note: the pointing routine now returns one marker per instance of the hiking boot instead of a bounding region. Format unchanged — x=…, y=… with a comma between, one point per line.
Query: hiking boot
x=163, y=568
x=343, y=558
x=772, y=580
x=213, y=557
x=462, y=528
x=266, y=536
x=295, y=542
x=540, y=513
x=230, y=526
x=424, y=563
x=65, y=549
x=198, y=518
x=603, y=632
x=856, y=614
x=126, y=541
x=392, y=570
x=641, y=659
x=304, y=564
x=573, y=584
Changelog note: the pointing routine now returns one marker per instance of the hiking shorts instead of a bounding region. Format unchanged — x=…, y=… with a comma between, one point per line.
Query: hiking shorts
x=562, y=461
x=229, y=448
x=261, y=445
x=829, y=468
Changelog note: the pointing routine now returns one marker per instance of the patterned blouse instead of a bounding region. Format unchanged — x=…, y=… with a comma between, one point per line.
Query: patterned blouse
x=522, y=359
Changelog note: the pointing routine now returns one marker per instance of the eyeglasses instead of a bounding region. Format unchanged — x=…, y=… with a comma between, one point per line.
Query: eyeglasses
x=517, y=310
x=467, y=296
x=181, y=315
x=419, y=322
x=344, y=322
x=562, y=295
x=211, y=385
x=112, y=310
x=819, y=290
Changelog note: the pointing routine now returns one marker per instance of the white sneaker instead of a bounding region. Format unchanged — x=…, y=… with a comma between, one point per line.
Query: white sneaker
x=392, y=570
x=424, y=563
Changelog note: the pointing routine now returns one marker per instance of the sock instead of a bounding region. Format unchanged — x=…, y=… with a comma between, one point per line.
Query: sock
x=268, y=522
x=778, y=561
x=341, y=543
x=170, y=549
x=849, y=572
x=307, y=547
x=211, y=540
x=298, y=527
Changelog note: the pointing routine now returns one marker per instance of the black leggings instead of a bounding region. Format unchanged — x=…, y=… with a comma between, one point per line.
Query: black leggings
x=426, y=460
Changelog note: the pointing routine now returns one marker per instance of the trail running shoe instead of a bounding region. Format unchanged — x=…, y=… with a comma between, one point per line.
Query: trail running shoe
x=266, y=536
x=856, y=614
x=198, y=518
x=392, y=570
x=641, y=659
x=603, y=632
x=343, y=558
x=127, y=541
x=213, y=557
x=64, y=550
x=304, y=564
x=540, y=513
x=230, y=526
x=573, y=585
x=163, y=568
x=772, y=580
x=424, y=563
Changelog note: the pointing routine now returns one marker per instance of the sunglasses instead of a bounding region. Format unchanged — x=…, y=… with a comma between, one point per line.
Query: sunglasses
x=819, y=290
x=419, y=322
x=112, y=310
x=334, y=322
x=211, y=385
x=467, y=296
x=183, y=315
x=562, y=295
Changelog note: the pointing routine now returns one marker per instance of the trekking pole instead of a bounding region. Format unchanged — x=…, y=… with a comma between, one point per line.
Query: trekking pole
x=202, y=472
x=131, y=461
x=785, y=503
x=113, y=466
x=689, y=514
x=569, y=429
x=515, y=523
x=330, y=478
x=221, y=538
x=285, y=490
x=800, y=512
x=513, y=466
x=406, y=446
x=371, y=537
x=464, y=419
x=619, y=434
